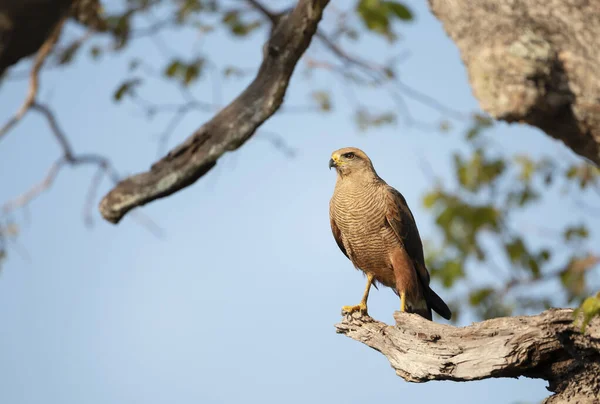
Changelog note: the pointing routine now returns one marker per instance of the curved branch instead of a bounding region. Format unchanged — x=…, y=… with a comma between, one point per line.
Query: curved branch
x=231, y=127
x=547, y=346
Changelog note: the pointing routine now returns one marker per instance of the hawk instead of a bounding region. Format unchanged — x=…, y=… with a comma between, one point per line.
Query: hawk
x=375, y=229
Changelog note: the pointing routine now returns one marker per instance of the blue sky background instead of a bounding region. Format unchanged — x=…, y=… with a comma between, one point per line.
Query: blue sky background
x=237, y=302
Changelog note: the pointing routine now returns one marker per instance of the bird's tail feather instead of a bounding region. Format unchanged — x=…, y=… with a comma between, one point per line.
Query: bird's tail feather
x=438, y=305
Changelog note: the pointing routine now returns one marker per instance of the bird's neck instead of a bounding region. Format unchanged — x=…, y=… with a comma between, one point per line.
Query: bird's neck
x=360, y=180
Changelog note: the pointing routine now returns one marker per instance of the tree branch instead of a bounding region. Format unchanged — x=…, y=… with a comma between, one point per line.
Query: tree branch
x=231, y=127
x=547, y=346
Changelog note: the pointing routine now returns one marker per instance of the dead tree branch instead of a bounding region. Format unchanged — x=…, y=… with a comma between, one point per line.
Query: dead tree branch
x=547, y=346
x=231, y=127
x=533, y=61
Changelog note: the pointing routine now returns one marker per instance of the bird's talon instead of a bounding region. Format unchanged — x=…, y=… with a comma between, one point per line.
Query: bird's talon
x=361, y=308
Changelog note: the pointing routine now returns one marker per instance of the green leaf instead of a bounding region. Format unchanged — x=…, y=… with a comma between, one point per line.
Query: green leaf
x=119, y=26
x=479, y=295
x=377, y=15
x=399, y=10
x=232, y=71
x=589, y=309
x=185, y=72
x=544, y=255
x=323, y=99
x=527, y=167
x=576, y=233
x=534, y=267
x=172, y=69
x=127, y=87
x=237, y=26
x=515, y=250
x=430, y=199
x=96, y=52
x=66, y=55
x=366, y=119
x=478, y=172
x=450, y=272
x=571, y=172
x=573, y=276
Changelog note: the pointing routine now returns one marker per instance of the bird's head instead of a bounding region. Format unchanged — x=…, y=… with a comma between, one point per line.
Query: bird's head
x=351, y=160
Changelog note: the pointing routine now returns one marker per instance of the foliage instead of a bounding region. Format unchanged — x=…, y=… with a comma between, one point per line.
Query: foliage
x=484, y=227
x=588, y=310
x=378, y=15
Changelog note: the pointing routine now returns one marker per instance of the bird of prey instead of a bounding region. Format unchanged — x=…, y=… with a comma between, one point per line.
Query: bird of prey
x=376, y=230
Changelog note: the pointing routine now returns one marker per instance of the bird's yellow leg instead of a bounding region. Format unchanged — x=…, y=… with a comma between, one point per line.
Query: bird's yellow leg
x=362, y=306
x=402, y=302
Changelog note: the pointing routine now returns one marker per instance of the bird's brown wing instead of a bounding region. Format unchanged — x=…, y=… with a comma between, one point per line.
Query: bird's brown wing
x=402, y=221
x=337, y=235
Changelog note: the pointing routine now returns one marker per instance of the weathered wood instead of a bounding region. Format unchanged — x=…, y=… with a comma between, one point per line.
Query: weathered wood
x=231, y=127
x=533, y=61
x=547, y=346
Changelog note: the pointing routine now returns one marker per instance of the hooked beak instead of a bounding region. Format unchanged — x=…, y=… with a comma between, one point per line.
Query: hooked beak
x=332, y=163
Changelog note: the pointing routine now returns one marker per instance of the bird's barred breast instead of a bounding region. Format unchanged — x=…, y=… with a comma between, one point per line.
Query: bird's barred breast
x=359, y=212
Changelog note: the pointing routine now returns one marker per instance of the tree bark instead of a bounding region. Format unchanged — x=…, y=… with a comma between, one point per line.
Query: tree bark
x=232, y=126
x=533, y=61
x=547, y=346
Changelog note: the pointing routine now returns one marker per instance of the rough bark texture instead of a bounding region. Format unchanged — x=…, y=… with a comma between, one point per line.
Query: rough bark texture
x=533, y=61
x=231, y=127
x=547, y=346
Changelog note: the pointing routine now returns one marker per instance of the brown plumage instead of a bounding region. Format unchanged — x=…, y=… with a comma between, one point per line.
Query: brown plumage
x=376, y=230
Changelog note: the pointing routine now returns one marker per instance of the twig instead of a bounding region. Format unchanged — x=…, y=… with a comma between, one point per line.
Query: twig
x=429, y=101
x=37, y=189
x=56, y=131
x=175, y=120
x=278, y=142
x=40, y=58
x=90, y=199
x=262, y=9
x=103, y=164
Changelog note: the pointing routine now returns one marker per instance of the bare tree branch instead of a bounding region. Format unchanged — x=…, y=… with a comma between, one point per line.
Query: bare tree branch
x=231, y=127
x=548, y=346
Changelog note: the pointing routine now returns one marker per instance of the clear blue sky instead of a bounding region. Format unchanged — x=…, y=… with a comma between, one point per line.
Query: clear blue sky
x=236, y=304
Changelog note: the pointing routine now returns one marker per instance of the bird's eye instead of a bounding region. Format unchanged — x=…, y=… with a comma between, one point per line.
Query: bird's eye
x=349, y=156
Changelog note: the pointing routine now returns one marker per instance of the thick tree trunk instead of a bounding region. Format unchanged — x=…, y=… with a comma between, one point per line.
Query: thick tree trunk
x=533, y=61
x=547, y=346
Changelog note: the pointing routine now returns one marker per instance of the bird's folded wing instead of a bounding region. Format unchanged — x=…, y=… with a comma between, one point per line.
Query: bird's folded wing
x=402, y=221
x=337, y=235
